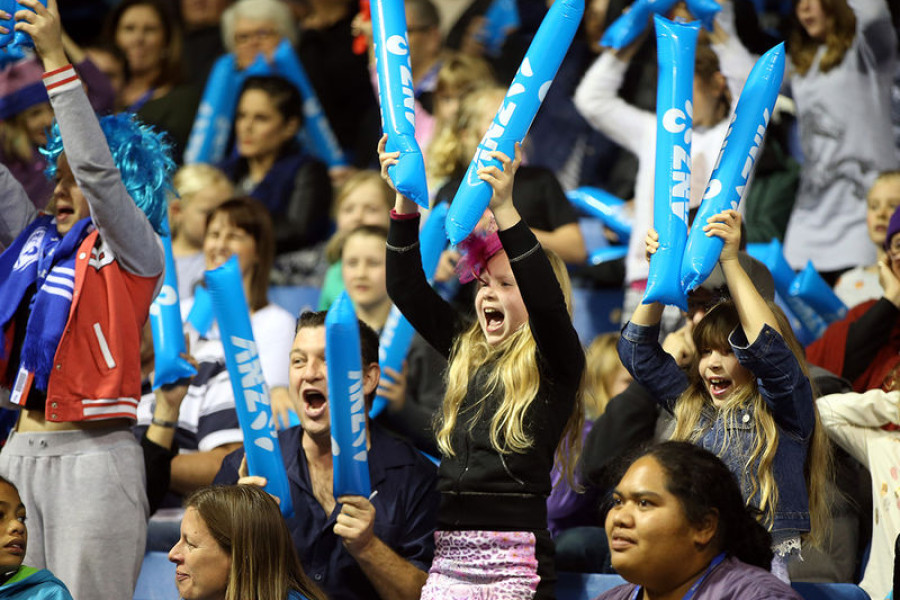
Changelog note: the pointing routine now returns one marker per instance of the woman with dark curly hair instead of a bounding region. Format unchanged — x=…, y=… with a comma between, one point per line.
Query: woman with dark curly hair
x=678, y=527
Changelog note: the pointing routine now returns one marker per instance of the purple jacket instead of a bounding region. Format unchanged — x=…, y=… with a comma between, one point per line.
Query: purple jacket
x=730, y=580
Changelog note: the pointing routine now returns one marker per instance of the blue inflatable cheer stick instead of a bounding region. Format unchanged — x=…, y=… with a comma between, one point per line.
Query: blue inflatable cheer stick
x=396, y=337
x=324, y=143
x=633, y=23
x=10, y=7
x=511, y=123
x=738, y=155
x=397, y=99
x=212, y=126
x=501, y=18
x=705, y=10
x=809, y=286
x=346, y=400
x=167, y=327
x=607, y=253
x=609, y=209
x=676, y=44
x=22, y=39
x=772, y=255
x=251, y=394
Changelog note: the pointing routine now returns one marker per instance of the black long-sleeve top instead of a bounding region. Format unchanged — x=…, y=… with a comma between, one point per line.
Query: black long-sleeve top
x=480, y=487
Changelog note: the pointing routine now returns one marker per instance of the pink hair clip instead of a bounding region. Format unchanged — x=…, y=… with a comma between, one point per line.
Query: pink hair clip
x=476, y=250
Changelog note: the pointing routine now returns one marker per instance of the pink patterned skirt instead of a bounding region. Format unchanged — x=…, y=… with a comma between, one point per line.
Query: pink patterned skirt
x=483, y=565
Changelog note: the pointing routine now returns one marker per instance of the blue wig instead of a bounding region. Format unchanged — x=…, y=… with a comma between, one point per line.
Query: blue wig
x=142, y=156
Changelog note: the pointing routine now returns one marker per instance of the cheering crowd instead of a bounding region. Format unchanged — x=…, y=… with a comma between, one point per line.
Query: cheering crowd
x=724, y=451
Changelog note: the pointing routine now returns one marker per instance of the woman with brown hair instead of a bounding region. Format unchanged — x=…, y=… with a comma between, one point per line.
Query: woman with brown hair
x=235, y=545
x=150, y=37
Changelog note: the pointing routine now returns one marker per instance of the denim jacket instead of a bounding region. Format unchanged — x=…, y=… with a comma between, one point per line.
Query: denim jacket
x=785, y=389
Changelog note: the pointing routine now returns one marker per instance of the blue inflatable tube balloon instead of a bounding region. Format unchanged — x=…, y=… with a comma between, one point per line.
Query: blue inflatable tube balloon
x=772, y=255
x=676, y=44
x=501, y=18
x=212, y=127
x=167, y=327
x=324, y=143
x=251, y=393
x=705, y=10
x=22, y=39
x=201, y=316
x=738, y=156
x=607, y=253
x=631, y=24
x=804, y=335
x=397, y=334
x=397, y=99
x=511, y=123
x=10, y=7
x=346, y=400
x=609, y=209
x=809, y=286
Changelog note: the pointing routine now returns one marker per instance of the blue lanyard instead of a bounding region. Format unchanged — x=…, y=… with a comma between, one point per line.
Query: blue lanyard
x=690, y=593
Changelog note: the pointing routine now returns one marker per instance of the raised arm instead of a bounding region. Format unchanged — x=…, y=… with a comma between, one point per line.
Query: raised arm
x=16, y=209
x=548, y=317
x=123, y=225
x=753, y=311
x=851, y=418
x=427, y=312
x=597, y=99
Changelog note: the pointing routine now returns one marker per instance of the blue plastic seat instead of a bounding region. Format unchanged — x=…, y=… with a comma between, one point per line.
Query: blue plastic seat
x=294, y=298
x=157, y=578
x=584, y=586
x=829, y=591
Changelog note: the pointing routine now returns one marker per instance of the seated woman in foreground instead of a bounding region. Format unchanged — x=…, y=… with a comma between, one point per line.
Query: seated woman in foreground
x=678, y=528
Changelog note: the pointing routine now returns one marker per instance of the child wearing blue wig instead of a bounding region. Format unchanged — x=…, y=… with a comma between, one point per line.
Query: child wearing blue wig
x=76, y=283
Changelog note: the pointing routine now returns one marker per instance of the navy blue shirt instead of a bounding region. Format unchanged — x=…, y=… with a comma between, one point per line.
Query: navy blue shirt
x=405, y=511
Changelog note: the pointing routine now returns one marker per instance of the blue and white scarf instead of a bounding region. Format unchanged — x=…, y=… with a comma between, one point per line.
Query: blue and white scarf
x=39, y=256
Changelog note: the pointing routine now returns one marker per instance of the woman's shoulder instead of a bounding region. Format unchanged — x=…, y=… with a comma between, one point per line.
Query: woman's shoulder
x=273, y=317
x=739, y=580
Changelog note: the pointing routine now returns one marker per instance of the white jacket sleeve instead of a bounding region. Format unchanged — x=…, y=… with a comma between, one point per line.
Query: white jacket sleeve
x=849, y=418
x=597, y=99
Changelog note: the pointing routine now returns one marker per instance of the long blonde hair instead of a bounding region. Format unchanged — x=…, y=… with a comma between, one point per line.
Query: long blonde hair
x=516, y=376
x=712, y=332
x=601, y=365
x=841, y=24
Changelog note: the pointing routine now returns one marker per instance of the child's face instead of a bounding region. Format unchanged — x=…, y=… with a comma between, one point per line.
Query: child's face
x=190, y=216
x=722, y=374
x=813, y=18
x=12, y=527
x=617, y=381
x=68, y=204
x=883, y=200
x=363, y=270
x=36, y=120
x=363, y=205
x=498, y=303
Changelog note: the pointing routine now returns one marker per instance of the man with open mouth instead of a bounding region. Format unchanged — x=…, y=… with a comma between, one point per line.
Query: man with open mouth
x=352, y=547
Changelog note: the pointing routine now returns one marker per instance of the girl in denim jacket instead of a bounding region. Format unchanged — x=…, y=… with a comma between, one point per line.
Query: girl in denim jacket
x=746, y=397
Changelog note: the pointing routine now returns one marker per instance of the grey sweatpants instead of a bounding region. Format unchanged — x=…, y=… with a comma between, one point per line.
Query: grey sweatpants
x=85, y=498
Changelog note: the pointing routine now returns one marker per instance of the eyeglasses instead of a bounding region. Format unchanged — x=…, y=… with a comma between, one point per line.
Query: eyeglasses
x=894, y=249
x=259, y=35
